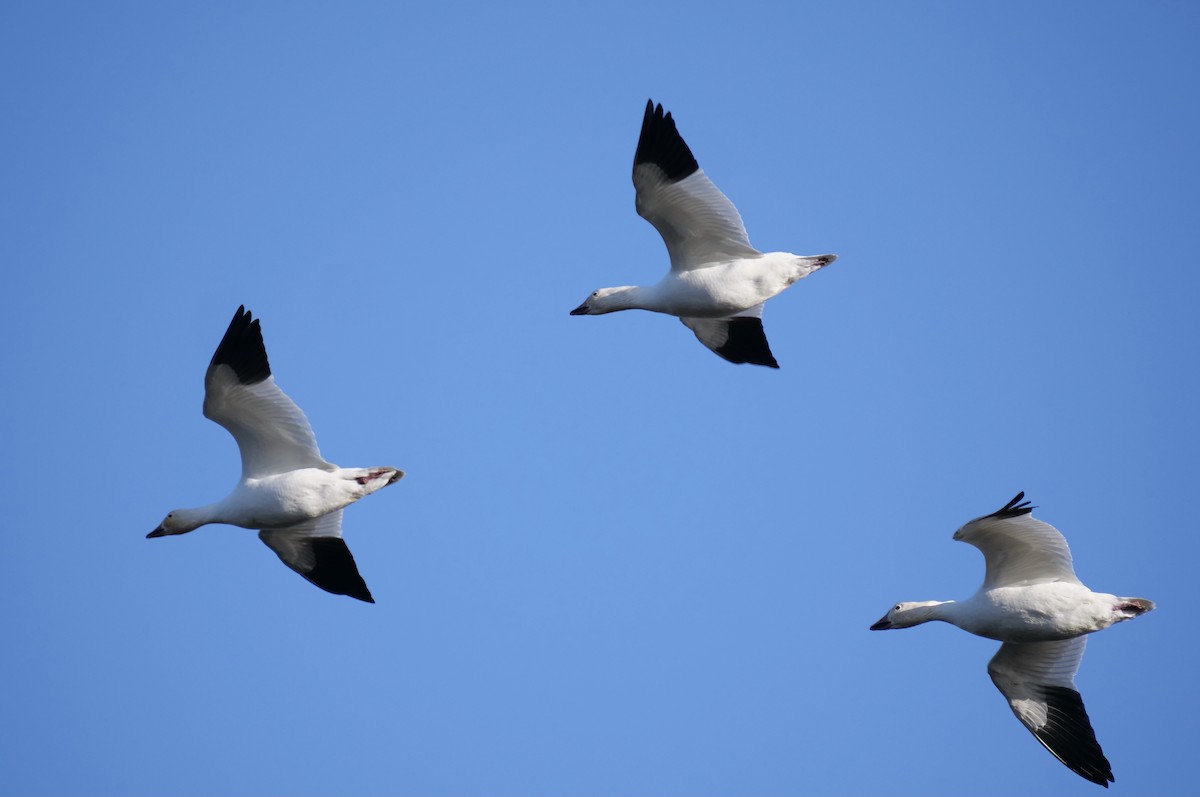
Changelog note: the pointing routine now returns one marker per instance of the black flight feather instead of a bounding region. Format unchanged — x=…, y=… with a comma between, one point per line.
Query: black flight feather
x=660, y=144
x=242, y=349
x=334, y=569
x=747, y=343
x=1014, y=508
x=1069, y=736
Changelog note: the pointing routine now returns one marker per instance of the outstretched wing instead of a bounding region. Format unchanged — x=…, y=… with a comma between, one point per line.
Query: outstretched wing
x=1038, y=680
x=738, y=338
x=698, y=223
x=1018, y=549
x=241, y=395
x=315, y=549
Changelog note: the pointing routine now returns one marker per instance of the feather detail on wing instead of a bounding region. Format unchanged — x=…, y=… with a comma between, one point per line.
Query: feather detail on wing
x=1038, y=680
x=315, y=549
x=697, y=222
x=240, y=394
x=739, y=338
x=1018, y=549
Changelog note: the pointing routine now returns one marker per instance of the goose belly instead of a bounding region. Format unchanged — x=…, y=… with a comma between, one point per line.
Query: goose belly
x=1034, y=613
x=715, y=291
x=288, y=498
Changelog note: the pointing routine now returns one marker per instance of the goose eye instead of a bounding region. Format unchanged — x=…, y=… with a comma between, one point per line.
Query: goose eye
x=896, y=608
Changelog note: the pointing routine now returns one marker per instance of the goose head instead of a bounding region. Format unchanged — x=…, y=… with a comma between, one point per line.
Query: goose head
x=177, y=521
x=907, y=614
x=606, y=300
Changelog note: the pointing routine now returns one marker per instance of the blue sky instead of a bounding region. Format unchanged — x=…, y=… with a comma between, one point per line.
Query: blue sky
x=618, y=565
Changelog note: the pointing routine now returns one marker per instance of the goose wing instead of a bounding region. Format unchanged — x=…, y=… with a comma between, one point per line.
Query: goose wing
x=1038, y=680
x=1018, y=549
x=698, y=223
x=738, y=338
x=240, y=394
x=315, y=549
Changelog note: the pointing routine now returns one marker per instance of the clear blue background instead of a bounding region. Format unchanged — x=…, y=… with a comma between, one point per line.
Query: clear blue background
x=618, y=565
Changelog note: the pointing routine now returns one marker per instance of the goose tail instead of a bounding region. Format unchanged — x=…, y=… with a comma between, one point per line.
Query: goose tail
x=1134, y=607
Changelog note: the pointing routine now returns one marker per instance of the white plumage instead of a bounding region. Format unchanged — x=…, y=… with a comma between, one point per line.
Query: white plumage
x=287, y=489
x=718, y=282
x=1032, y=601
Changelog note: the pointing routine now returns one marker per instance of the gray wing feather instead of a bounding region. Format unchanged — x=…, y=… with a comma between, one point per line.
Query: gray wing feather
x=697, y=222
x=1038, y=680
x=1019, y=550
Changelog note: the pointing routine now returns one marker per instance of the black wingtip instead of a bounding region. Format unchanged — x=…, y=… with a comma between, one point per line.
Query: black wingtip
x=242, y=349
x=660, y=144
x=335, y=571
x=1014, y=508
x=747, y=343
x=1069, y=736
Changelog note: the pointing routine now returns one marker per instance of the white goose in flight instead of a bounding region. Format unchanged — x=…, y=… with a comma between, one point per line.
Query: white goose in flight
x=1033, y=603
x=718, y=282
x=287, y=490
